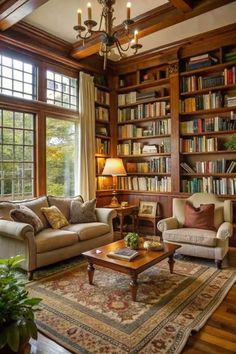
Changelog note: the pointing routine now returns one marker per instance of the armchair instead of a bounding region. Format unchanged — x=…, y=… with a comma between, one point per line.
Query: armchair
x=199, y=242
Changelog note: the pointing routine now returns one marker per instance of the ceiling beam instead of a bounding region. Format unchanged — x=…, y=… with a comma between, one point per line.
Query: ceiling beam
x=13, y=11
x=154, y=20
x=183, y=5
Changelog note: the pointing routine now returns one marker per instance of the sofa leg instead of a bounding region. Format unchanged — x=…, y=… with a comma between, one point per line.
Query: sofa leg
x=30, y=274
x=218, y=263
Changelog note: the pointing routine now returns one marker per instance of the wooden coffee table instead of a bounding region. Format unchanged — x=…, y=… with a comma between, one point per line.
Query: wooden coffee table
x=143, y=261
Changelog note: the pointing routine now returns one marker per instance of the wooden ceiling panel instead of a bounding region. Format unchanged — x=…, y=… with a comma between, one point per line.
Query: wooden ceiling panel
x=183, y=5
x=13, y=11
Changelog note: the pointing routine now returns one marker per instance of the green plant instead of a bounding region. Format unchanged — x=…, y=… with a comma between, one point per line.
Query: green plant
x=231, y=144
x=17, y=310
x=132, y=240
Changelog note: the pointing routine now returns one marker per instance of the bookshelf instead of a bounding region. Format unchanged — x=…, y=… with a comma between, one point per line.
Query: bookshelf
x=207, y=122
x=102, y=131
x=144, y=129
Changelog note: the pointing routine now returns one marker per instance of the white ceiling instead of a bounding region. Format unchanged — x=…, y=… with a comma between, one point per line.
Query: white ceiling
x=59, y=16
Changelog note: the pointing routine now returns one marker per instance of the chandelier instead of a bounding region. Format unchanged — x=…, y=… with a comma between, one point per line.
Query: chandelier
x=109, y=36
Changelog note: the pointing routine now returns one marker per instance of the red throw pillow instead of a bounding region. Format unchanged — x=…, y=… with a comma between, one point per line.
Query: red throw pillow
x=199, y=218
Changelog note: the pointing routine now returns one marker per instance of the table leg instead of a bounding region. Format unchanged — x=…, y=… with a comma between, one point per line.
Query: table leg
x=134, y=286
x=171, y=263
x=90, y=270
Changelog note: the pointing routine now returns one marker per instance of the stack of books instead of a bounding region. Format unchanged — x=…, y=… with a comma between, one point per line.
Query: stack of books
x=146, y=95
x=230, y=99
x=125, y=253
x=201, y=61
x=230, y=56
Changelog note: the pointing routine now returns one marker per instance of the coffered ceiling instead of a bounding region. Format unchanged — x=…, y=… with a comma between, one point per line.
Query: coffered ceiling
x=159, y=22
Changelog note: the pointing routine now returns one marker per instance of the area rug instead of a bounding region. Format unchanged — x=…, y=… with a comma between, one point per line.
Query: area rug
x=101, y=318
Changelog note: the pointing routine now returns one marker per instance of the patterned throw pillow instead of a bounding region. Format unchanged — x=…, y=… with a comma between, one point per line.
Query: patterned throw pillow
x=26, y=215
x=83, y=212
x=55, y=217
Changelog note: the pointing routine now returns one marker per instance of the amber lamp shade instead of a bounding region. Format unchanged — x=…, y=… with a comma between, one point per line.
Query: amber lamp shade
x=114, y=167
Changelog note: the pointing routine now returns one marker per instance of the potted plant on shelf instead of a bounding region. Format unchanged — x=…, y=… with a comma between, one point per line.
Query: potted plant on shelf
x=132, y=240
x=17, y=324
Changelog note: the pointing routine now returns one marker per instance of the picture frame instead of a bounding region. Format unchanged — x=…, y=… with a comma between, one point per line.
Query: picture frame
x=147, y=209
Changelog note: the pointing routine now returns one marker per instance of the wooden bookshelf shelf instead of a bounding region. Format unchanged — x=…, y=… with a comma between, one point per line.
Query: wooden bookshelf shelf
x=207, y=90
x=144, y=85
x=148, y=174
x=103, y=136
x=209, y=111
x=151, y=100
x=147, y=137
x=209, y=152
x=149, y=119
x=209, y=174
x=213, y=133
x=102, y=104
x=101, y=121
x=144, y=155
x=209, y=69
x=102, y=87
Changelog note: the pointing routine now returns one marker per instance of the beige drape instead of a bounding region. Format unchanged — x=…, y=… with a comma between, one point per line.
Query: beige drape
x=86, y=137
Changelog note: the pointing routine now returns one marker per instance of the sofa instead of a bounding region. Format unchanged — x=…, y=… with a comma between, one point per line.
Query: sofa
x=51, y=245
x=200, y=242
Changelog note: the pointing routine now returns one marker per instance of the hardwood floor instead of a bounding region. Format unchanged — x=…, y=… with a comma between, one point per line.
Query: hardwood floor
x=218, y=336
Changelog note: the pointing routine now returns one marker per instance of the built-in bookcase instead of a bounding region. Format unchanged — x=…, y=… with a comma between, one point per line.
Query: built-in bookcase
x=144, y=129
x=208, y=122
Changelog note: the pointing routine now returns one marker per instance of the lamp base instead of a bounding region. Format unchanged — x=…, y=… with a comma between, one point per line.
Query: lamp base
x=114, y=203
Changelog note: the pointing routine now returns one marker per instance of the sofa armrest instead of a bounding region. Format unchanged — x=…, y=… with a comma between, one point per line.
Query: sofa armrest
x=16, y=230
x=225, y=230
x=167, y=224
x=106, y=215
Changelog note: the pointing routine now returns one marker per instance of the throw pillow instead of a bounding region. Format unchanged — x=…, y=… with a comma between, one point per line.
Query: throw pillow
x=24, y=214
x=199, y=218
x=83, y=212
x=63, y=203
x=55, y=217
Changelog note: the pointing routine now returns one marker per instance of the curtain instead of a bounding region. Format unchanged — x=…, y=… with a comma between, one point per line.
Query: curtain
x=87, y=175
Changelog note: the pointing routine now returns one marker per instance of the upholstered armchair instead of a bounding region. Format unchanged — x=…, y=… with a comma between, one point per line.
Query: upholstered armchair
x=199, y=242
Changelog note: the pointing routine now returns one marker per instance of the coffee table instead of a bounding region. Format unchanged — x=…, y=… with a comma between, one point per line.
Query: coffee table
x=143, y=261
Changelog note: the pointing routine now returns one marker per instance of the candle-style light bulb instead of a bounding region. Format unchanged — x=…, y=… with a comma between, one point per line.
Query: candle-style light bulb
x=136, y=37
x=89, y=6
x=128, y=10
x=79, y=12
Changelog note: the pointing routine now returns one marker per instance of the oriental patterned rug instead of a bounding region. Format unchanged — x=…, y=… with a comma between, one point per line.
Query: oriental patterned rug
x=101, y=318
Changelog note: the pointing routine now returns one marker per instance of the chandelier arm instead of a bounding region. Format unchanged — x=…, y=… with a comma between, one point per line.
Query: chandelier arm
x=121, y=47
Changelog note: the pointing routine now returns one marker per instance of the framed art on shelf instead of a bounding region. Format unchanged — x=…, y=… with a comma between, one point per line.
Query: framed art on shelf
x=147, y=209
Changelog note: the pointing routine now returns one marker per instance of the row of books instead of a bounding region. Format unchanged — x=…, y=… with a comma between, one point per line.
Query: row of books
x=152, y=184
x=209, y=185
x=199, y=144
x=160, y=127
x=102, y=113
x=201, y=61
x=215, y=166
x=194, y=83
x=210, y=124
x=137, y=148
x=103, y=182
x=230, y=100
x=199, y=102
x=102, y=146
x=101, y=96
x=144, y=110
x=158, y=164
x=127, y=98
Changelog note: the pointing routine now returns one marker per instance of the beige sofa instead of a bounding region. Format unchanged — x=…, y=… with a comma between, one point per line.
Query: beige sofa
x=199, y=242
x=50, y=245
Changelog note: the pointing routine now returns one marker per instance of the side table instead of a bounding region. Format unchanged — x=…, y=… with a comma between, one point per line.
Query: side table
x=131, y=210
x=153, y=220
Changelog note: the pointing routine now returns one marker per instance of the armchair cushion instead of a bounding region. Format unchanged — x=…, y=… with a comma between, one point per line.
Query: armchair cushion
x=191, y=235
x=27, y=216
x=201, y=217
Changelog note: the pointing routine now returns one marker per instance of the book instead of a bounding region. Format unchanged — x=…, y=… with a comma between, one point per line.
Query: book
x=123, y=254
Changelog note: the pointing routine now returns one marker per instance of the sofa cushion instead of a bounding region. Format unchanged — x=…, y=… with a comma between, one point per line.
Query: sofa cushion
x=88, y=231
x=200, y=218
x=36, y=204
x=55, y=217
x=83, y=212
x=5, y=208
x=50, y=239
x=192, y=236
x=63, y=203
x=26, y=215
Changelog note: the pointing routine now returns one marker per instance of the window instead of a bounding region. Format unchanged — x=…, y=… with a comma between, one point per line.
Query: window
x=18, y=78
x=16, y=155
x=61, y=157
x=61, y=90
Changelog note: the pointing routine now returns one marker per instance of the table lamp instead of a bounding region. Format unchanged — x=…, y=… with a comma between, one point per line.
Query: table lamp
x=114, y=167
